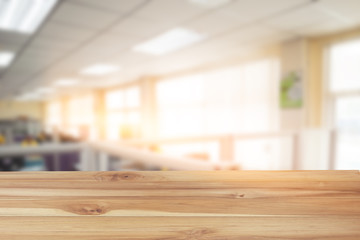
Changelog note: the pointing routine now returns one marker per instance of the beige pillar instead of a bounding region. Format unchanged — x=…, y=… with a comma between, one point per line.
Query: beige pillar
x=148, y=108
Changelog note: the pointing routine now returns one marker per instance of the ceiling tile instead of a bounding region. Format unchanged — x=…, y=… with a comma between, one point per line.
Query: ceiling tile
x=9, y=47
x=12, y=78
x=140, y=27
x=215, y=23
x=299, y=18
x=104, y=47
x=52, y=44
x=74, y=63
x=29, y=64
x=111, y=5
x=348, y=10
x=130, y=58
x=322, y=28
x=95, y=83
x=113, y=41
x=25, y=67
x=40, y=54
x=31, y=61
x=90, y=55
x=82, y=16
x=65, y=31
x=246, y=35
x=170, y=11
x=254, y=10
x=35, y=52
x=12, y=39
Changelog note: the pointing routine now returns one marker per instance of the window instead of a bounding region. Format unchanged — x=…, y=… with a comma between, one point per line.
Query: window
x=345, y=66
x=233, y=100
x=81, y=117
x=344, y=91
x=236, y=100
x=53, y=114
x=123, y=113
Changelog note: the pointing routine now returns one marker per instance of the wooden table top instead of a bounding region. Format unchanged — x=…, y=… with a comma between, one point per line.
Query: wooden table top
x=231, y=205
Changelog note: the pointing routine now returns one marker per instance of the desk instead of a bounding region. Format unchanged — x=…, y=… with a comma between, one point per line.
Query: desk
x=231, y=205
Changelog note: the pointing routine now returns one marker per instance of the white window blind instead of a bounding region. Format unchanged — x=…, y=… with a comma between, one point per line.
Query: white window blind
x=238, y=99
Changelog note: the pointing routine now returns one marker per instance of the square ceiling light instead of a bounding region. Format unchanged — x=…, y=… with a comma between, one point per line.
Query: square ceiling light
x=100, y=69
x=6, y=58
x=170, y=41
x=24, y=16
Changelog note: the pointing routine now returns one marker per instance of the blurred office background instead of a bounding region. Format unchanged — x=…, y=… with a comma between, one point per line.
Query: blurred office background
x=179, y=84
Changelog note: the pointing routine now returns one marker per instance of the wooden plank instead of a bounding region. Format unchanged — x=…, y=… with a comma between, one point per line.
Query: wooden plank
x=326, y=180
x=213, y=228
x=195, y=177
x=180, y=205
x=189, y=176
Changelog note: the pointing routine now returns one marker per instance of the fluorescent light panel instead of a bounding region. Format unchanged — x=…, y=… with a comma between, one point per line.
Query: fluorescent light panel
x=100, y=69
x=24, y=15
x=169, y=42
x=6, y=58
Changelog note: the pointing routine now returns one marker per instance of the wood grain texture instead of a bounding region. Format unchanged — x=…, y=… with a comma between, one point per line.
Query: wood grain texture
x=231, y=205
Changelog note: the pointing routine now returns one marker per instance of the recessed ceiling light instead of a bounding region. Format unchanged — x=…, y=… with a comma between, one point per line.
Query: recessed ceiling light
x=23, y=15
x=6, y=58
x=210, y=3
x=100, y=69
x=170, y=41
x=66, y=82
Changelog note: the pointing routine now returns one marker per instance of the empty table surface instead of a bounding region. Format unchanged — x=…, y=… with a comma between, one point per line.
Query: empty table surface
x=180, y=205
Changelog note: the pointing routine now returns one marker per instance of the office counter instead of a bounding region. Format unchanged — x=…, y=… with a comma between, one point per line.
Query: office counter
x=231, y=205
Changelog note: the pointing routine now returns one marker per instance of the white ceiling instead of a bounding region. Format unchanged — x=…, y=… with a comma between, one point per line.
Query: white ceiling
x=83, y=32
